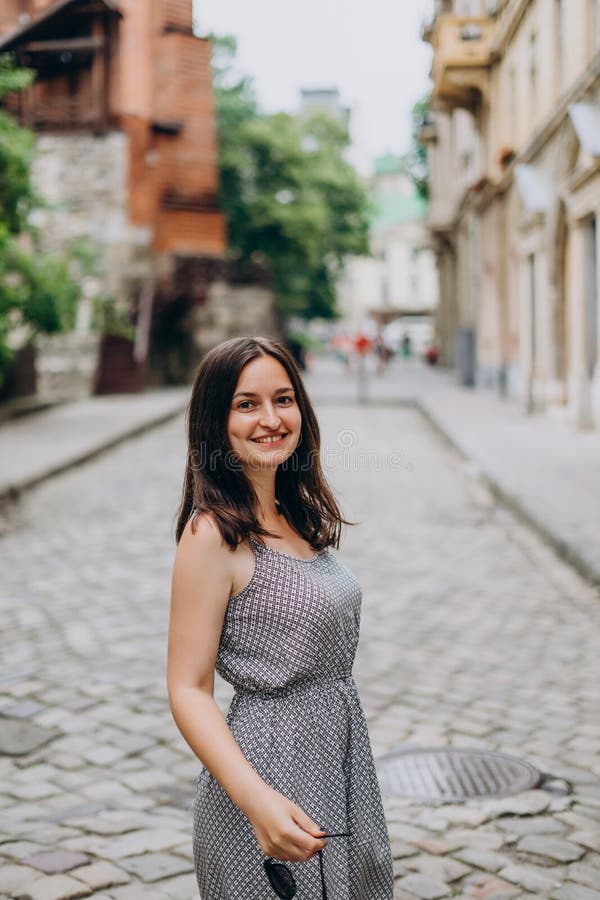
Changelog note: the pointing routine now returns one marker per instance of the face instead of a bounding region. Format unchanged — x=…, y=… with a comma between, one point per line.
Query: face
x=264, y=420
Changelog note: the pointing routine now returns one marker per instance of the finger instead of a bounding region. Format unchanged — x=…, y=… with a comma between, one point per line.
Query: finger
x=302, y=845
x=307, y=824
x=309, y=841
x=303, y=852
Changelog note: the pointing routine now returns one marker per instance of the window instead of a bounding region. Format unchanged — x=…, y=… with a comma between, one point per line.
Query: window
x=559, y=46
x=594, y=25
x=591, y=291
x=473, y=7
x=532, y=331
x=533, y=98
x=512, y=107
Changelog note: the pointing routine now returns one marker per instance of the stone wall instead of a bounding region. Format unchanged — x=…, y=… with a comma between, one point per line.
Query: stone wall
x=198, y=302
x=83, y=179
x=233, y=310
x=66, y=365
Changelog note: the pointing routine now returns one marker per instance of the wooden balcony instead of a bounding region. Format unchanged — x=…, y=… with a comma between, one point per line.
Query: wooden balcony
x=205, y=201
x=60, y=114
x=462, y=55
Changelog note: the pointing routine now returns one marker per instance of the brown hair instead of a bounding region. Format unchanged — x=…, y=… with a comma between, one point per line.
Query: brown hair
x=214, y=479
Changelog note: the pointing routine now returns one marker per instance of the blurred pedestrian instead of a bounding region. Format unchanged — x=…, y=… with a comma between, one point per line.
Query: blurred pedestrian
x=362, y=344
x=432, y=354
x=383, y=352
x=258, y=596
x=341, y=345
x=298, y=351
x=406, y=345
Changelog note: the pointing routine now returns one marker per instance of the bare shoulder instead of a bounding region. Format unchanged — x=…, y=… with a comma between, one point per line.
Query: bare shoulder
x=202, y=547
x=203, y=555
x=202, y=531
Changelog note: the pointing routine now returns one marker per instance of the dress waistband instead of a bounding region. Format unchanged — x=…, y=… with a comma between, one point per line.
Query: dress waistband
x=296, y=687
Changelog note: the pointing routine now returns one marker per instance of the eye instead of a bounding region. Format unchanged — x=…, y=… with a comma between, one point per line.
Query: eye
x=286, y=400
x=245, y=404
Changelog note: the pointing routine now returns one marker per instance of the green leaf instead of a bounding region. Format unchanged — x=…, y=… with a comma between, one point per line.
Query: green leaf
x=36, y=289
x=288, y=193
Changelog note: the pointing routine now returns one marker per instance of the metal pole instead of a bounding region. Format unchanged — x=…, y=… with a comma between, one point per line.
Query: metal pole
x=362, y=380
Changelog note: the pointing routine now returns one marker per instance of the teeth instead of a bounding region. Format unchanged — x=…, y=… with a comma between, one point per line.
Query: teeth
x=268, y=440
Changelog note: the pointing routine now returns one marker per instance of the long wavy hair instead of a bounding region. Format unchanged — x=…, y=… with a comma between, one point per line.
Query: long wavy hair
x=214, y=479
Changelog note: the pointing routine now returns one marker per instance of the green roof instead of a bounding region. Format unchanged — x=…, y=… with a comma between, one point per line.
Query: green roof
x=388, y=164
x=396, y=208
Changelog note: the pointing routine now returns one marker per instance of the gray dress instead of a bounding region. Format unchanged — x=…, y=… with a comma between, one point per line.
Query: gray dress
x=288, y=644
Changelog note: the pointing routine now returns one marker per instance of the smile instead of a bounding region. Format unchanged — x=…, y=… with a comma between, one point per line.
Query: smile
x=270, y=439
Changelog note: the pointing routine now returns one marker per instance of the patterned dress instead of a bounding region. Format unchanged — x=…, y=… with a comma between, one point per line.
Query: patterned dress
x=288, y=644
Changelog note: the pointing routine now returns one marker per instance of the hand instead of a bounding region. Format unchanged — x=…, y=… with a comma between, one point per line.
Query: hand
x=284, y=831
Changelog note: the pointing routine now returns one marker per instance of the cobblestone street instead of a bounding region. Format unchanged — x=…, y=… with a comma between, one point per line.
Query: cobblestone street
x=474, y=634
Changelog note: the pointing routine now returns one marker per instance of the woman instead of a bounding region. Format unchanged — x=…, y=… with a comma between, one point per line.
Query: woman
x=258, y=596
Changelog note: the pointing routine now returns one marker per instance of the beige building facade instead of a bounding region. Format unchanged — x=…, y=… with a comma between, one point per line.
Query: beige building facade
x=398, y=279
x=514, y=147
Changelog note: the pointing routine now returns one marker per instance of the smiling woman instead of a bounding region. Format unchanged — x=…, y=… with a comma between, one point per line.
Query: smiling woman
x=273, y=421
x=258, y=597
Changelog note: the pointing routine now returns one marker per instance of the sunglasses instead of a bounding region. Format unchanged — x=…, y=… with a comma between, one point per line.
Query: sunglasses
x=281, y=879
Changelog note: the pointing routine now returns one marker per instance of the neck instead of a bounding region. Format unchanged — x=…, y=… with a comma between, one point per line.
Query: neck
x=263, y=483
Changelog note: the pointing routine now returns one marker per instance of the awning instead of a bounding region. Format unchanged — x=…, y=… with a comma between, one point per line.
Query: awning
x=586, y=122
x=534, y=187
x=12, y=38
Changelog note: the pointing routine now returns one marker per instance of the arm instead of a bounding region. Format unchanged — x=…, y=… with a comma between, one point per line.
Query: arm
x=201, y=586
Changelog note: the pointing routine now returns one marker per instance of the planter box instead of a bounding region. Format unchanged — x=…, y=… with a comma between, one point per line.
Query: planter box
x=118, y=371
x=21, y=378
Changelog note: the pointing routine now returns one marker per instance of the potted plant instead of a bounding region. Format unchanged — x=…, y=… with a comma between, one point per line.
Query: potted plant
x=37, y=293
x=118, y=371
x=37, y=296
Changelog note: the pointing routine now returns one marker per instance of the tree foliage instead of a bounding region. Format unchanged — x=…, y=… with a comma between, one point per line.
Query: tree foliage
x=416, y=161
x=291, y=199
x=37, y=293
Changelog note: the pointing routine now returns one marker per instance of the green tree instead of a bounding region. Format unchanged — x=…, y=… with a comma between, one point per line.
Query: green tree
x=37, y=293
x=291, y=199
x=416, y=161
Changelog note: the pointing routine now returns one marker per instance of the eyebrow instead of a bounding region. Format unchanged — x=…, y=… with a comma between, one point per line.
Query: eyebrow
x=281, y=390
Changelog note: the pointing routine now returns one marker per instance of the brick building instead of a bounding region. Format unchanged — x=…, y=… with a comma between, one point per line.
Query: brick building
x=126, y=152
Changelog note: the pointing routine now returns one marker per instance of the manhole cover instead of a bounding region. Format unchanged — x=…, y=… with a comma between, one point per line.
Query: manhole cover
x=19, y=737
x=454, y=774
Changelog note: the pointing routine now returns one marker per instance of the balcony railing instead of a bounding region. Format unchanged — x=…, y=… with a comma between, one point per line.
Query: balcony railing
x=57, y=114
x=462, y=55
x=206, y=201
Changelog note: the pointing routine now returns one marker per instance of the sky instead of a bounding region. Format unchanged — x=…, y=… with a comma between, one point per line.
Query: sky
x=370, y=50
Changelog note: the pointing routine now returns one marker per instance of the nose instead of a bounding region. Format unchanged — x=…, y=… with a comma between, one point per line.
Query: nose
x=269, y=417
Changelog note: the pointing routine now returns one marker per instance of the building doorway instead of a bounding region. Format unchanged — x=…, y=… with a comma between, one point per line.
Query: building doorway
x=591, y=296
x=560, y=335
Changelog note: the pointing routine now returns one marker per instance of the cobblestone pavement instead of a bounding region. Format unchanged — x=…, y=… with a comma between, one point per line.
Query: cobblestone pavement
x=473, y=634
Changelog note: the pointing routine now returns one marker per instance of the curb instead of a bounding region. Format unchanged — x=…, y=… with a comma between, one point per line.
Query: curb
x=11, y=492
x=566, y=551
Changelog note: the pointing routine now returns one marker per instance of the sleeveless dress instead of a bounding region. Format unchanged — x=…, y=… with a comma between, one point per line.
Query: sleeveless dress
x=288, y=644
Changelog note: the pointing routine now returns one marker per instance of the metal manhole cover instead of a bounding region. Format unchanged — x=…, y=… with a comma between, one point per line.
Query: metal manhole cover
x=450, y=773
